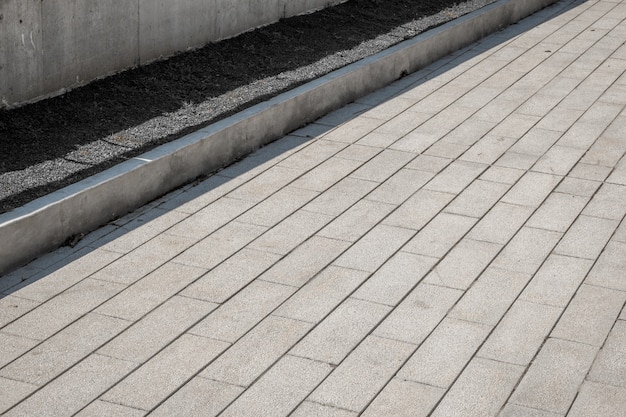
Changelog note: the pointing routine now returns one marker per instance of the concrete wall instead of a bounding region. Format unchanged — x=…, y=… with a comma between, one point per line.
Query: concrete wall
x=47, y=47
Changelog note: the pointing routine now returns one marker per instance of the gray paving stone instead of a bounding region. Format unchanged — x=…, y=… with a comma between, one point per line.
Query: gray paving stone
x=520, y=334
x=590, y=315
x=357, y=220
x=618, y=176
x=378, y=140
x=149, y=292
x=304, y=262
x=312, y=155
x=427, y=163
x=12, y=347
x=419, y=209
x=263, y=185
x=242, y=312
x=281, y=389
x=481, y=390
x=516, y=160
x=13, y=392
x=383, y=165
x=403, y=123
x=199, y=397
x=309, y=408
x=440, y=235
x=278, y=206
x=515, y=125
x=463, y=264
x=358, y=153
x=163, y=374
x=229, y=277
x=322, y=294
x=552, y=381
x=600, y=399
x=502, y=175
x=609, y=368
x=587, y=237
x=456, y=177
x=157, y=329
x=609, y=202
x=576, y=186
x=253, y=354
x=404, y=398
x=86, y=381
x=490, y=296
x=145, y=259
x=527, y=250
x=291, y=232
x=373, y=249
x=335, y=337
x=64, y=349
x=12, y=308
x=559, y=160
x=609, y=268
x=341, y=196
x=219, y=246
x=353, y=130
x=477, y=199
x=52, y=316
x=558, y=212
x=500, y=223
x=443, y=149
x=390, y=108
x=556, y=282
x=104, y=408
x=488, y=149
x=210, y=218
x=326, y=174
x=395, y=278
x=81, y=265
x=354, y=383
x=532, y=189
x=444, y=354
x=512, y=410
x=400, y=186
x=418, y=314
x=559, y=119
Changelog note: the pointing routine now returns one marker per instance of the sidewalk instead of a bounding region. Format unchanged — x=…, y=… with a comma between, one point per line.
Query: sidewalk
x=451, y=245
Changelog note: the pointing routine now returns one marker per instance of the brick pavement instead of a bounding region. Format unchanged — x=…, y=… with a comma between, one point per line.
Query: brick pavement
x=451, y=245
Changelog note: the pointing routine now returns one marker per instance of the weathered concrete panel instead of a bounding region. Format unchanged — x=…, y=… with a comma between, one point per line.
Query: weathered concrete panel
x=87, y=39
x=20, y=50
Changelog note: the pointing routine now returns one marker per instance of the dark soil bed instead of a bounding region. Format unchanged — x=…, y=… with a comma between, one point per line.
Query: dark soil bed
x=53, y=143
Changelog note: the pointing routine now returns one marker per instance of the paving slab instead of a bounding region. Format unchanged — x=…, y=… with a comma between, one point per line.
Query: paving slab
x=450, y=244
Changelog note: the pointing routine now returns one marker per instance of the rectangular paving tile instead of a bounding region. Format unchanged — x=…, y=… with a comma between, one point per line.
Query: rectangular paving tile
x=490, y=296
x=11, y=308
x=13, y=347
x=590, y=315
x=278, y=206
x=373, y=249
x=520, y=334
x=314, y=154
x=556, y=282
x=404, y=399
x=609, y=202
x=477, y=199
x=341, y=196
x=322, y=294
x=253, y=354
x=395, y=278
x=609, y=368
x=552, y=381
x=200, y=195
x=427, y=163
x=357, y=220
x=400, y=186
x=309, y=408
x=456, y=177
x=291, y=232
x=445, y=353
x=104, y=408
x=440, y=235
x=149, y=292
x=481, y=390
x=558, y=212
x=325, y=175
x=265, y=184
x=609, y=268
x=502, y=174
x=304, y=262
x=242, y=312
x=53, y=399
x=157, y=329
x=587, y=237
x=232, y=275
x=63, y=309
x=606, y=400
x=354, y=383
x=419, y=209
x=163, y=374
x=383, y=165
x=578, y=186
x=463, y=264
x=199, y=397
x=353, y=130
x=527, y=250
x=281, y=389
x=500, y=223
x=13, y=392
x=64, y=349
x=558, y=160
x=335, y=337
x=418, y=314
x=513, y=410
x=531, y=189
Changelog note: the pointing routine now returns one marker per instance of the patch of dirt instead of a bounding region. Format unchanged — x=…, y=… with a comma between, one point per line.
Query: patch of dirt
x=56, y=142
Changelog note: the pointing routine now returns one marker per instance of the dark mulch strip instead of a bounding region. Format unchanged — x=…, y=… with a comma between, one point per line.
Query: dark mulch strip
x=53, y=143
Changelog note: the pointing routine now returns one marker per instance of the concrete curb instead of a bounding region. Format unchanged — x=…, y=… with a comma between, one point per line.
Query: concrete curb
x=47, y=222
